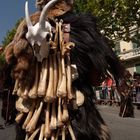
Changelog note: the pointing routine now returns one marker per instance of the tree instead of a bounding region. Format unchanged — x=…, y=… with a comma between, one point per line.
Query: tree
x=116, y=18
x=7, y=39
x=10, y=34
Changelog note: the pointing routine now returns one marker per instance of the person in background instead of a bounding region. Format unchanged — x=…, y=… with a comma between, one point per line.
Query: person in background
x=109, y=83
x=137, y=88
x=125, y=91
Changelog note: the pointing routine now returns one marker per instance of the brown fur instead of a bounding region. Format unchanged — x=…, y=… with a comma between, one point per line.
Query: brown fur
x=20, y=47
x=9, y=54
x=20, y=53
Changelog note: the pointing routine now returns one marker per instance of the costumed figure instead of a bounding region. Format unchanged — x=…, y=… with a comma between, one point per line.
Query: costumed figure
x=125, y=89
x=56, y=57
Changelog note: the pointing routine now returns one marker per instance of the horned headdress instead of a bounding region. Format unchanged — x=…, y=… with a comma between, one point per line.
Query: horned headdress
x=57, y=56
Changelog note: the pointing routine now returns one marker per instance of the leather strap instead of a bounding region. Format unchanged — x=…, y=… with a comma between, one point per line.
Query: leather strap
x=66, y=31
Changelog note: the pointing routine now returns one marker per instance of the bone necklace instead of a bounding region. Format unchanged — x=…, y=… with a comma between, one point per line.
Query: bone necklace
x=43, y=108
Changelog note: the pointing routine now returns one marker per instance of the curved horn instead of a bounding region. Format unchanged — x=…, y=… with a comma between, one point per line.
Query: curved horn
x=27, y=17
x=44, y=12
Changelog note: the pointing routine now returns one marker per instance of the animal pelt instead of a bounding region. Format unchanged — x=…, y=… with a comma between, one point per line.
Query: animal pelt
x=61, y=7
x=91, y=53
x=87, y=121
x=19, y=53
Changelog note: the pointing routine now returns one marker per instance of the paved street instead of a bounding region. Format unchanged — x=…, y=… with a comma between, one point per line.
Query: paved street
x=8, y=133
x=121, y=128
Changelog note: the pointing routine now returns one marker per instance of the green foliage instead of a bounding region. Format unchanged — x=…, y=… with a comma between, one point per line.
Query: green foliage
x=136, y=39
x=7, y=39
x=2, y=60
x=10, y=34
x=115, y=17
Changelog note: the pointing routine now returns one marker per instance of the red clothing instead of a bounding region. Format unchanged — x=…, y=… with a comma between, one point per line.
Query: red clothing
x=109, y=82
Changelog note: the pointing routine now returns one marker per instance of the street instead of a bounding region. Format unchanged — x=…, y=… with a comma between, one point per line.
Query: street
x=121, y=128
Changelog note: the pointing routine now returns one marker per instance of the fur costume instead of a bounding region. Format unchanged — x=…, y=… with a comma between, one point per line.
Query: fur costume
x=88, y=50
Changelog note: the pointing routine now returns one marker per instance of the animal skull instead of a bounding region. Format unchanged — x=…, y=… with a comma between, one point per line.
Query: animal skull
x=37, y=33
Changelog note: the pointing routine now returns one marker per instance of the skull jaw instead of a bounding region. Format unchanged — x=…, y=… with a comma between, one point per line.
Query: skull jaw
x=42, y=52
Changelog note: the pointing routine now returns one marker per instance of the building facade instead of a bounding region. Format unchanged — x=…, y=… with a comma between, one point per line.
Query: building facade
x=129, y=54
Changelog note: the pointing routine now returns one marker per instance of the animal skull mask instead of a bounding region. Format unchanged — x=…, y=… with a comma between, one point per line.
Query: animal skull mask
x=37, y=33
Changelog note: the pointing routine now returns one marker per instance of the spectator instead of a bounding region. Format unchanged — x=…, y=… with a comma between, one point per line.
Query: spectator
x=109, y=83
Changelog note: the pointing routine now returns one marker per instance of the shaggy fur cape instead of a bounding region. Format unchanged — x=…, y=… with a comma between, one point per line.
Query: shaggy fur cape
x=94, y=59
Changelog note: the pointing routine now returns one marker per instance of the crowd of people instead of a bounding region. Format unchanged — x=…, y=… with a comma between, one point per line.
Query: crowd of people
x=107, y=93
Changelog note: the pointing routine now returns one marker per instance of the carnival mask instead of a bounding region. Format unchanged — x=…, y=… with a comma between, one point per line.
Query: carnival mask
x=38, y=33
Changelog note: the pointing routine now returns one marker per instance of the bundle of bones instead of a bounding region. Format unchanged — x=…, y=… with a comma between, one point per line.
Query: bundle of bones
x=43, y=97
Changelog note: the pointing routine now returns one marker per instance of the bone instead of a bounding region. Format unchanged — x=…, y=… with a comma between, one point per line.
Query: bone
x=29, y=116
x=20, y=90
x=43, y=79
x=23, y=105
x=27, y=17
x=59, y=115
x=24, y=95
x=42, y=132
x=33, y=90
x=60, y=34
x=31, y=120
x=71, y=132
x=53, y=136
x=37, y=34
x=45, y=11
x=19, y=117
x=27, y=136
x=62, y=90
x=32, y=126
x=55, y=80
x=56, y=35
x=54, y=44
x=79, y=98
x=47, y=132
x=50, y=91
x=34, y=134
x=16, y=87
x=65, y=115
x=53, y=123
x=59, y=68
x=69, y=78
x=63, y=134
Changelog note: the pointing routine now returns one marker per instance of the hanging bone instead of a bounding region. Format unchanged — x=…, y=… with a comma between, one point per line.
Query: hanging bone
x=43, y=79
x=31, y=126
x=38, y=33
x=47, y=132
x=41, y=135
x=62, y=90
x=33, y=91
x=29, y=116
x=50, y=91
